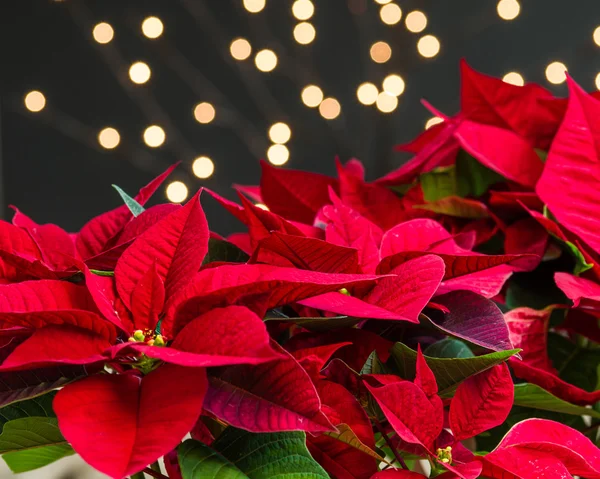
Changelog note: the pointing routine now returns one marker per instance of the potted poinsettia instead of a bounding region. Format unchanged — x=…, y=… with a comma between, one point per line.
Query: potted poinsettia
x=440, y=321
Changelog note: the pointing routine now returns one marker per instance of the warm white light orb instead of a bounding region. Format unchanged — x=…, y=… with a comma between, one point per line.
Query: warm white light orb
x=103, y=33
x=280, y=133
x=139, y=73
x=154, y=136
x=556, y=73
x=176, y=192
x=203, y=167
x=109, y=138
x=35, y=101
x=204, y=112
x=152, y=27
x=367, y=93
x=514, y=78
x=312, y=96
x=278, y=155
x=266, y=60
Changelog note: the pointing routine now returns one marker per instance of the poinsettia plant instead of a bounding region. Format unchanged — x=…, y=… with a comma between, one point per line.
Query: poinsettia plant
x=441, y=321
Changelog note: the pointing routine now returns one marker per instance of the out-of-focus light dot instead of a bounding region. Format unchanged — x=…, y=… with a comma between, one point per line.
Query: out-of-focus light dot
x=380, y=52
x=35, y=101
x=265, y=60
x=304, y=33
x=103, y=33
x=330, y=108
x=152, y=27
x=203, y=167
x=254, y=6
x=598, y=81
x=262, y=207
x=428, y=46
x=390, y=14
x=240, y=49
x=278, y=155
x=556, y=73
x=139, y=73
x=303, y=9
x=386, y=103
x=204, y=112
x=508, y=9
x=514, y=78
x=280, y=133
x=367, y=93
x=596, y=36
x=109, y=138
x=176, y=192
x=382, y=2
x=312, y=96
x=416, y=21
x=154, y=136
x=433, y=121
x=394, y=85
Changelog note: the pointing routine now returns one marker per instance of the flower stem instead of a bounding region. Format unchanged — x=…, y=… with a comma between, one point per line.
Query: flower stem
x=137, y=475
x=389, y=443
x=153, y=473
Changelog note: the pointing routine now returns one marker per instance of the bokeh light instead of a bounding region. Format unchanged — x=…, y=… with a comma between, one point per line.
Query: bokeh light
x=280, y=133
x=508, y=9
x=386, y=103
x=303, y=9
x=103, y=33
x=330, y=108
x=35, y=101
x=514, y=78
x=556, y=73
x=240, y=49
x=304, y=33
x=154, y=136
x=204, y=112
x=428, y=46
x=598, y=81
x=278, y=155
x=152, y=27
x=312, y=96
x=367, y=93
x=383, y=2
x=139, y=73
x=433, y=121
x=394, y=85
x=203, y=167
x=266, y=60
x=254, y=6
x=176, y=192
x=380, y=52
x=390, y=14
x=109, y=138
x=416, y=21
x=596, y=36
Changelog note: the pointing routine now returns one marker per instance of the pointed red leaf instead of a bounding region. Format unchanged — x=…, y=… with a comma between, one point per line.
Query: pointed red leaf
x=96, y=233
x=314, y=359
x=578, y=289
x=481, y=402
x=521, y=463
x=296, y=195
x=104, y=293
x=570, y=186
x=177, y=245
x=139, y=415
x=251, y=191
x=528, y=331
x=487, y=283
x=526, y=236
x=14, y=242
x=410, y=413
x=418, y=235
x=424, y=377
x=270, y=397
x=397, y=474
x=147, y=300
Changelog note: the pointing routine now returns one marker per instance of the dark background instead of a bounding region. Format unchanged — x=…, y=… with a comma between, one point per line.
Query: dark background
x=54, y=170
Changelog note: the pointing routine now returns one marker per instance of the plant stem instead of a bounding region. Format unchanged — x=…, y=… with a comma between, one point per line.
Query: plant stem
x=389, y=443
x=155, y=466
x=153, y=473
x=137, y=475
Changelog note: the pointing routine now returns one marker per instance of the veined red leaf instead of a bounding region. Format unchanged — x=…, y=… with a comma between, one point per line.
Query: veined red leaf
x=313, y=359
x=526, y=236
x=569, y=185
x=577, y=289
x=487, y=283
x=528, y=331
x=147, y=300
x=457, y=206
x=137, y=413
x=481, y=402
x=419, y=235
x=141, y=223
x=267, y=398
x=518, y=463
x=14, y=242
x=350, y=306
x=177, y=245
x=424, y=377
x=397, y=474
x=293, y=194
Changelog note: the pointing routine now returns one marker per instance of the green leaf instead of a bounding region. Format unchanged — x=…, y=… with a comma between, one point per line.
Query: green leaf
x=449, y=348
x=98, y=272
x=347, y=436
x=533, y=396
x=374, y=365
x=575, y=365
x=35, y=407
x=473, y=178
x=32, y=442
x=319, y=324
x=439, y=183
x=581, y=265
x=135, y=208
x=221, y=250
x=449, y=372
x=242, y=454
x=542, y=154
x=456, y=206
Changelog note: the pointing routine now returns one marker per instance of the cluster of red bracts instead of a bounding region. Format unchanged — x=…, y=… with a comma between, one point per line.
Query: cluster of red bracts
x=168, y=334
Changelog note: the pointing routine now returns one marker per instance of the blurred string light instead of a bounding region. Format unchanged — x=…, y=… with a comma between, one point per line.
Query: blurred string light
x=393, y=85
x=265, y=60
x=514, y=78
x=203, y=167
x=367, y=93
x=597, y=81
x=109, y=138
x=176, y=192
x=596, y=36
x=428, y=46
x=312, y=96
x=139, y=73
x=204, y=112
x=380, y=52
x=382, y=2
x=35, y=101
x=386, y=103
x=254, y=6
x=103, y=33
x=154, y=136
x=556, y=73
x=280, y=133
x=390, y=14
x=303, y=9
x=416, y=21
x=152, y=27
x=262, y=207
x=330, y=108
x=433, y=121
x=278, y=155
x=508, y=9
x=304, y=33
x=240, y=49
